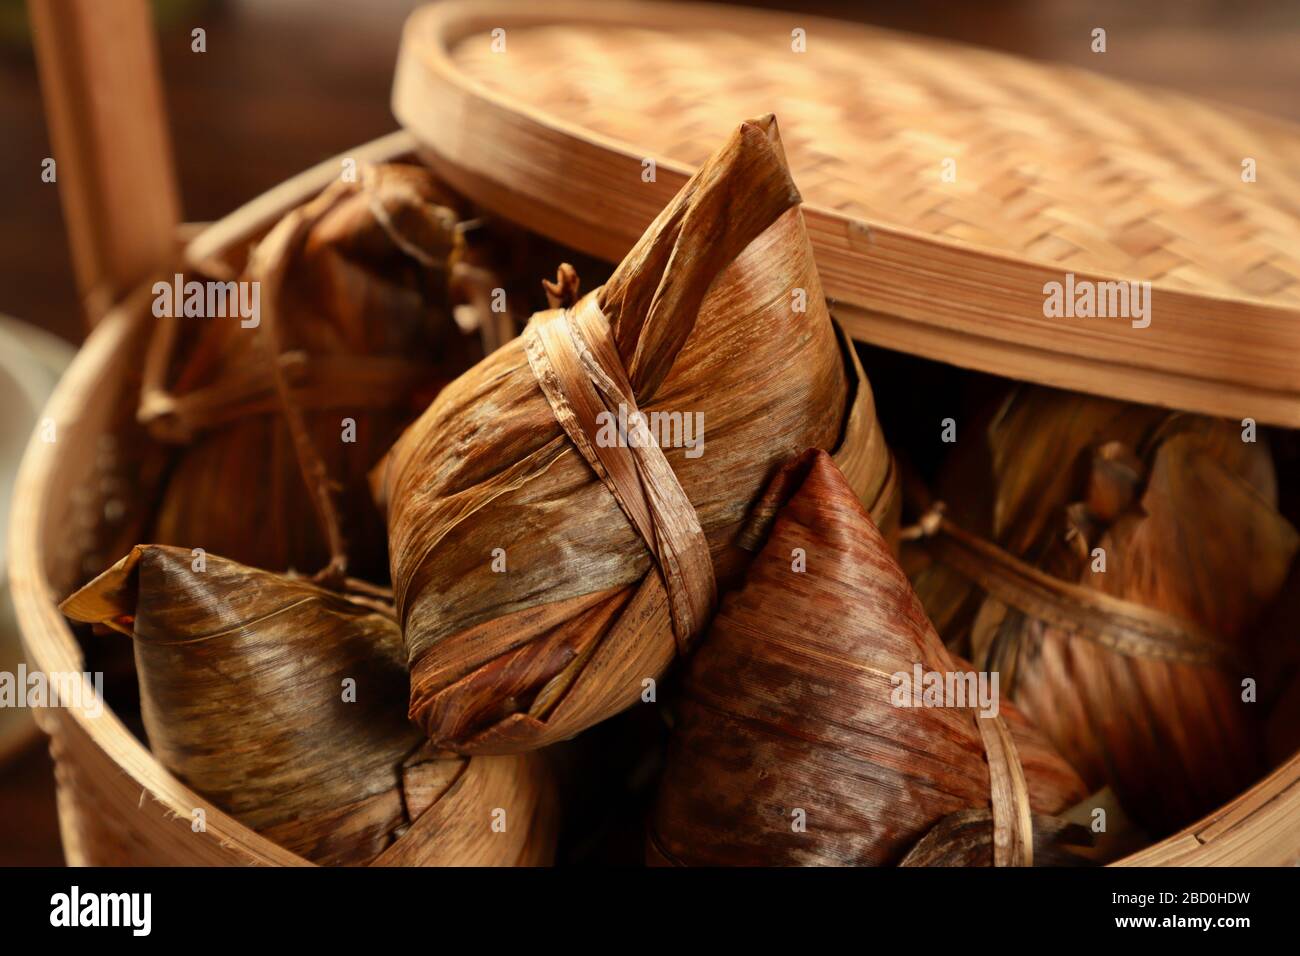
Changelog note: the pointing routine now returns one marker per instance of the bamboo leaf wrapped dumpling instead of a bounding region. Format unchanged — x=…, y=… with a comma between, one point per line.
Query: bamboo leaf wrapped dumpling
x=1131, y=555
x=802, y=736
x=543, y=577
x=282, y=703
x=279, y=418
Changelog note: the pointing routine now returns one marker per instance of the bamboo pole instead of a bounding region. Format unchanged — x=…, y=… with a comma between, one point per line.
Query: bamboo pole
x=102, y=87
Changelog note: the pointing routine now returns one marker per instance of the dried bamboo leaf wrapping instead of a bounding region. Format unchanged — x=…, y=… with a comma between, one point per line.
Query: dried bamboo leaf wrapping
x=789, y=705
x=580, y=616
x=363, y=331
x=989, y=489
x=964, y=839
x=1185, y=515
x=282, y=703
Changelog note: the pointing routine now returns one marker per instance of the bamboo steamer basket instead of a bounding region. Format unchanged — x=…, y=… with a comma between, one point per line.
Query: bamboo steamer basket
x=1056, y=170
x=117, y=804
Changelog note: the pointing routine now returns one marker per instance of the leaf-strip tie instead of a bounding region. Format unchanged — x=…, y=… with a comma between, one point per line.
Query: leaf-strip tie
x=576, y=364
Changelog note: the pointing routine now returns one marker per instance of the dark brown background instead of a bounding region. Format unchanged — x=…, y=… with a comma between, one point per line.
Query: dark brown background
x=287, y=83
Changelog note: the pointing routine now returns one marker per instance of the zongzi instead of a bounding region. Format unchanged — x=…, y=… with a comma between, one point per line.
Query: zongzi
x=802, y=737
x=1131, y=555
x=282, y=703
x=562, y=516
x=281, y=416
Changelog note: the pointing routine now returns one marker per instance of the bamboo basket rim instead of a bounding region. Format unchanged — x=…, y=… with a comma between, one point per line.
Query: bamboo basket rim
x=470, y=130
x=1260, y=826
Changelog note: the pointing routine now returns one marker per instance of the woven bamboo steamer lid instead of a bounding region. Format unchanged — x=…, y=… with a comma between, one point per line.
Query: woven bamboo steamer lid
x=1057, y=170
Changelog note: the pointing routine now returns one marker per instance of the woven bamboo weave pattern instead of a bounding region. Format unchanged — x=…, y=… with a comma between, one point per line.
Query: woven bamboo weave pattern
x=945, y=188
x=1051, y=165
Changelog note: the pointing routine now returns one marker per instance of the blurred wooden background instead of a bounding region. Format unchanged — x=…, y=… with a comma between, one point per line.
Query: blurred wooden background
x=287, y=83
